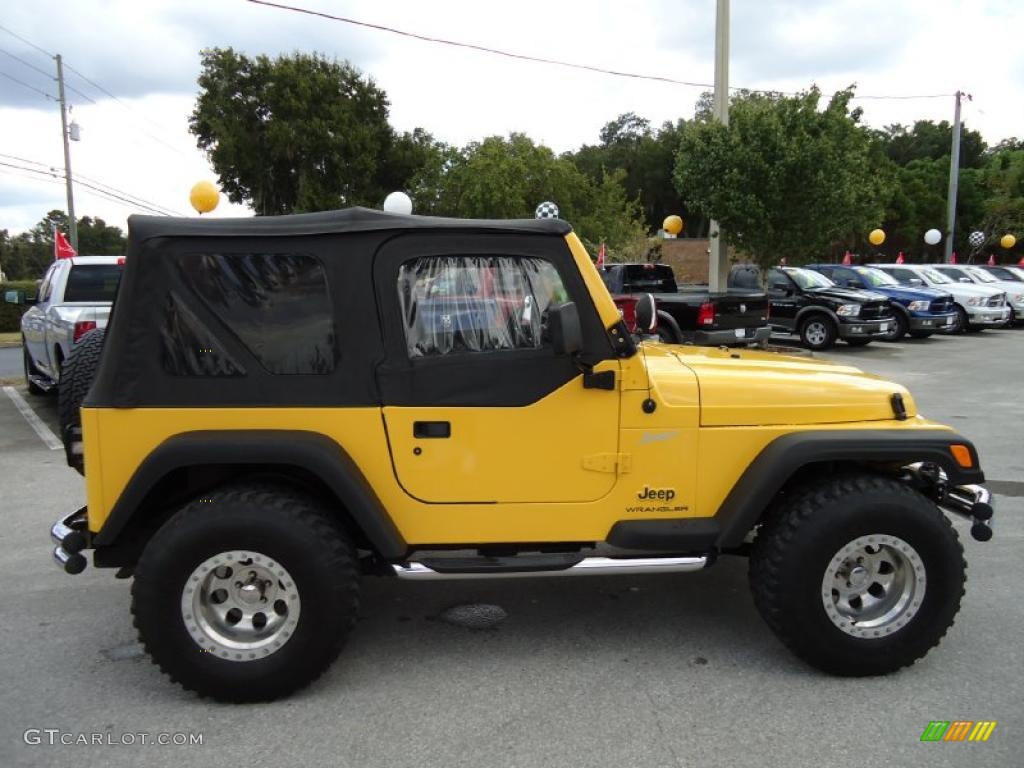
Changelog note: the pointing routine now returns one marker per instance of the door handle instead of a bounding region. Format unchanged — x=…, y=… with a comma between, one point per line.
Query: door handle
x=431, y=429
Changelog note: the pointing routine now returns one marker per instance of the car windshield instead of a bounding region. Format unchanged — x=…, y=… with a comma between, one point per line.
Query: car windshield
x=92, y=282
x=1018, y=271
x=981, y=275
x=807, y=278
x=934, y=276
x=875, y=277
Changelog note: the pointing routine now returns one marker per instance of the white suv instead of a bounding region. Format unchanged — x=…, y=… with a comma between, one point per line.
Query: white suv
x=967, y=273
x=977, y=307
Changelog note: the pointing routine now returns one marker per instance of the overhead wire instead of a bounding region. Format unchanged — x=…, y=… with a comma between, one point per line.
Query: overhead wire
x=41, y=92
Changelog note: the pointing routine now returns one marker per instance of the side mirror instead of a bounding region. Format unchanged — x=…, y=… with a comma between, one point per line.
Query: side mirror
x=966, y=280
x=646, y=314
x=915, y=282
x=564, y=326
x=18, y=297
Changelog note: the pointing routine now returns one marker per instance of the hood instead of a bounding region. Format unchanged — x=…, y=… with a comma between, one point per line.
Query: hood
x=911, y=294
x=856, y=296
x=746, y=388
x=971, y=289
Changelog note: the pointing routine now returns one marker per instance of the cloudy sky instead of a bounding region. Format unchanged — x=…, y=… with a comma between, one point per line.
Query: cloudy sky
x=145, y=52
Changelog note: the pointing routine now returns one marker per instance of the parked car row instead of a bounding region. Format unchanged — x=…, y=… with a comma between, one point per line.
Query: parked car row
x=822, y=303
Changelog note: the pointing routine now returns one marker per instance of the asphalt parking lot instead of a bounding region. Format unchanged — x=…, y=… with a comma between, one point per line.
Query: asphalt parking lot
x=627, y=671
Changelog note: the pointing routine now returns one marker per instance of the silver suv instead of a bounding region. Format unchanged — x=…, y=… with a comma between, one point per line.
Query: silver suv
x=977, y=307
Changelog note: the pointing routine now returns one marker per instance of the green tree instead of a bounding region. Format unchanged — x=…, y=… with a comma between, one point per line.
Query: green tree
x=508, y=178
x=299, y=133
x=785, y=178
x=928, y=140
x=27, y=256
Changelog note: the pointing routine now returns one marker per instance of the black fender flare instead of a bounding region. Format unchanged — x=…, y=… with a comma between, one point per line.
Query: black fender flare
x=772, y=468
x=311, y=451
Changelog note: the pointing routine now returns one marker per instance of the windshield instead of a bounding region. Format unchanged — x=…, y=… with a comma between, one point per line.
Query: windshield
x=1018, y=271
x=934, y=276
x=875, y=277
x=981, y=275
x=92, y=282
x=807, y=278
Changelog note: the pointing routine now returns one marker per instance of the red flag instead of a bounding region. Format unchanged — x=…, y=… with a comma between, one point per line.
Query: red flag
x=61, y=247
x=953, y=260
x=992, y=260
x=899, y=257
x=847, y=260
x=600, y=257
x=1021, y=262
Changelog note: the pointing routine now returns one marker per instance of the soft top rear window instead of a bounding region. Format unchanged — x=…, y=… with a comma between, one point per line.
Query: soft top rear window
x=92, y=282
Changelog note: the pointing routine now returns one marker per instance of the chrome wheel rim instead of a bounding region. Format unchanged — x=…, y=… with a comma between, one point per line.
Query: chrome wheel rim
x=240, y=605
x=816, y=333
x=873, y=586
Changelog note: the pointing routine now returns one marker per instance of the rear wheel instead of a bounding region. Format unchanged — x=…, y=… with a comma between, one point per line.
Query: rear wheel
x=858, y=575
x=247, y=594
x=76, y=377
x=818, y=332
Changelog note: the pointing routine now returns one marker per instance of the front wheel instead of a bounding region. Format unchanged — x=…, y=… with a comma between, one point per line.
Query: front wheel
x=898, y=328
x=246, y=594
x=858, y=575
x=818, y=332
x=962, y=321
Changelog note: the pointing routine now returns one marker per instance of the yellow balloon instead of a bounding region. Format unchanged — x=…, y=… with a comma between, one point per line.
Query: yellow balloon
x=672, y=224
x=877, y=237
x=1008, y=241
x=204, y=197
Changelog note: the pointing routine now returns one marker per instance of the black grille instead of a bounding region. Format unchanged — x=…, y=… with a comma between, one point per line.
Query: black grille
x=875, y=311
x=997, y=301
x=945, y=304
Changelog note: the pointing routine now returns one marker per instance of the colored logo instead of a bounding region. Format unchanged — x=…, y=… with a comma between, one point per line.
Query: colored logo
x=958, y=730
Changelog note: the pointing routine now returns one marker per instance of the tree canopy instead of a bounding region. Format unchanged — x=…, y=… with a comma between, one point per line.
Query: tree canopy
x=26, y=256
x=785, y=178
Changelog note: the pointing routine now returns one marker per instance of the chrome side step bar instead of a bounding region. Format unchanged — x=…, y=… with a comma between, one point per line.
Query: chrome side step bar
x=588, y=566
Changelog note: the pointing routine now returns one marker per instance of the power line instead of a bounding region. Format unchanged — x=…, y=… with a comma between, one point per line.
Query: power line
x=542, y=60
x=28, y=64
x=26, y=42
x=26, y=85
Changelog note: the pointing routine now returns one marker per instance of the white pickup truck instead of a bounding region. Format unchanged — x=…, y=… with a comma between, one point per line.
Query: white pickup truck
x=74, y=297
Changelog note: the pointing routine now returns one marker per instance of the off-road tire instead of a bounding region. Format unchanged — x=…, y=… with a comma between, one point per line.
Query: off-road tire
x=76, y=377
x=30, y=369
x=794, y=549
x=282, y=523
x=818, y=342
x=900, y=327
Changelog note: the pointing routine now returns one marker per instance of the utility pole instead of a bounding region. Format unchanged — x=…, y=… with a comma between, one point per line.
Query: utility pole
x=718, y=261
x=954, y=180
x=72, y=223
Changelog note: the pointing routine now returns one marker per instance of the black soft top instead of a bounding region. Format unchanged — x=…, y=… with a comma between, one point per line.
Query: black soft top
x=329, y=222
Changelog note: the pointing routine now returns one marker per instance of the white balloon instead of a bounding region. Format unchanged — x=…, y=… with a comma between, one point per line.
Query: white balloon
x=398, y=202
x=932, y=236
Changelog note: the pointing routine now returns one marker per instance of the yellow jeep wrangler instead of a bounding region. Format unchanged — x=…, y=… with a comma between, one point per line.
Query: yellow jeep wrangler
x=286, y=404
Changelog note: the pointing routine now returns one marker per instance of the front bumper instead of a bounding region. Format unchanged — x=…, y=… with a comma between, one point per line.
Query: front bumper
x=973, y=502
x=984, y=317
x=71, y=535
x=938, y=323
x=861, y=329
x=730, y=336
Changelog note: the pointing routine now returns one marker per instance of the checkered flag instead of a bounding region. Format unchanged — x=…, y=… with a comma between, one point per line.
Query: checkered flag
x=977, y=239
x=546, y=210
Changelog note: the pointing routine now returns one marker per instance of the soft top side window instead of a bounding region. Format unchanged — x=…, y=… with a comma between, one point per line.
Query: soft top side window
x=464, y=304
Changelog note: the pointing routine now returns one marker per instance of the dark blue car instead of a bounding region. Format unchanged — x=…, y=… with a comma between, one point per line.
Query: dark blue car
x=917, y=311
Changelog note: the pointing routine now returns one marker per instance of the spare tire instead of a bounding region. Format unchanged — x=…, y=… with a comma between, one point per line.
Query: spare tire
x=76, y=377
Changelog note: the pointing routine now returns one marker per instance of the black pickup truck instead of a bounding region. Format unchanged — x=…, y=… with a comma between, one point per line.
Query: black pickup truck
x=690, y=313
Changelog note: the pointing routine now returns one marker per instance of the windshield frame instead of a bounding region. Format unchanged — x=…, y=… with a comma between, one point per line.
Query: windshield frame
x=933, y=275
x=980, y=275
x=876, y=278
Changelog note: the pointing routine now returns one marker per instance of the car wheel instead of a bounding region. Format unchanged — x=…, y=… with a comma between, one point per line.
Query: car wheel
x=30, y=370
x=818, y=332
x=76, y=377
x=858, y=575
x=898, y=328
x=920, y=334
x=962, y=321
x=246, y=594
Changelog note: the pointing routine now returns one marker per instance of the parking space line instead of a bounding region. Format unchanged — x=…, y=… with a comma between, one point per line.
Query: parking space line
x=44, y=432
